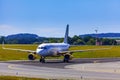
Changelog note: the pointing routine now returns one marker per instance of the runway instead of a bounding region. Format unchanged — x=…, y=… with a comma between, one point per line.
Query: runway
x=97, y=69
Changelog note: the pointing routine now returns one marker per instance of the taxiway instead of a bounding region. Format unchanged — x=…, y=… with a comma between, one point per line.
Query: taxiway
x=97, y=69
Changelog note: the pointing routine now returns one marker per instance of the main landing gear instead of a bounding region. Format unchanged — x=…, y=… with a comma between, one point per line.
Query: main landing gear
x=42, y=59
x=66, y=58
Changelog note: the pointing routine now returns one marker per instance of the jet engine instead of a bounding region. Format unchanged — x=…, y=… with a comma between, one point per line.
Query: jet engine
x=67, y=57
x=32, y=56
x=71, y=57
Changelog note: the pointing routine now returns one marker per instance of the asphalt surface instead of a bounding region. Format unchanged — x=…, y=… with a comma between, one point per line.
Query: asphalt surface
x=58, y=63
x=90, y=69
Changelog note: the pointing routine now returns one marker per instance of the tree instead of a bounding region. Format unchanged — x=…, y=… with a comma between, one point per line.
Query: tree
x=87, y=38
x=2, y=38
x=91, y=42
x=109, y=41
x=79, y=42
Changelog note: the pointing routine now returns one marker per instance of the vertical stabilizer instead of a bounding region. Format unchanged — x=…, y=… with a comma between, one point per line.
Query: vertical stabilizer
x=66, y=34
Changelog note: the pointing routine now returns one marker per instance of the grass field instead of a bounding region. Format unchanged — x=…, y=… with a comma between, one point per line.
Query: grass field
x=18, y=78
x=114, y=52
x=16, y=55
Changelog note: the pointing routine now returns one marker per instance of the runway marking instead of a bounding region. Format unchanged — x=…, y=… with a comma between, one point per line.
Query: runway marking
x=92, y=68
x=16, y=67
x=100, y=70
x=96, y=61
x=11, y=66
x=82, y=68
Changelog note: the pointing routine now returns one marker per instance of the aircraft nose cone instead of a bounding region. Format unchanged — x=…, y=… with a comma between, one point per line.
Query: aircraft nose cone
x=39, y=51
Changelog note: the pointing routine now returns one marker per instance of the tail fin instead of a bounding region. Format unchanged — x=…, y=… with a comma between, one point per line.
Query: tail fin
x=66, y=34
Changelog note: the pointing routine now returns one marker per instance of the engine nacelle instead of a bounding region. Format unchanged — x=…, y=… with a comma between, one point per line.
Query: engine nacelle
x=71, y=57
x=32, y=56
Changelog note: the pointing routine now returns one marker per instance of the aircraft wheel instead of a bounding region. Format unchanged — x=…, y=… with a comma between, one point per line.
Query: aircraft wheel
x=66, y=58
x=42, y=60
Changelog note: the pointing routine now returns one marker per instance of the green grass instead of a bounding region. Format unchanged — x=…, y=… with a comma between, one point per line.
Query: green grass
x=17, y=55
x=114, y=52
x=18, y=78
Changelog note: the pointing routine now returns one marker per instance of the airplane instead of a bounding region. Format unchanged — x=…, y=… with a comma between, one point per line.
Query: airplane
x=53, y=49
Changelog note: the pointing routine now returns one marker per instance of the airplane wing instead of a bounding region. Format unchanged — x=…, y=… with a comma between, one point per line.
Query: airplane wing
x=23, y=50
x=72, y=51
x=30, y=51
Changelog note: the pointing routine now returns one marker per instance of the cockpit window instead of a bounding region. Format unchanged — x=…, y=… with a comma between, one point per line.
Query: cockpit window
x=42, y=48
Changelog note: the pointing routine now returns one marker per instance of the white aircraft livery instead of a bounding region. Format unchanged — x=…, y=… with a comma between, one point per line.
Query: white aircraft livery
x=53, y=49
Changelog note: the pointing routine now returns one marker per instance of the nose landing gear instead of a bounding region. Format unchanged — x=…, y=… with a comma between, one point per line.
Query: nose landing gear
x=66, y=58
x=42, y=59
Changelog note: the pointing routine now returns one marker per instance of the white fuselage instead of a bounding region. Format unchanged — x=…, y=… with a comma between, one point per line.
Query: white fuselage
x=51, y=49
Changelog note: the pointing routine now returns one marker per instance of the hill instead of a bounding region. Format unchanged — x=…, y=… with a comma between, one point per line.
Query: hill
x=27, y=38
x=23, y=38
x=22, y=35
x=103, y=35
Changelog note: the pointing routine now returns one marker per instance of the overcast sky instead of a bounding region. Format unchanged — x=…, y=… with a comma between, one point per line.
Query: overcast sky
x=48, y=18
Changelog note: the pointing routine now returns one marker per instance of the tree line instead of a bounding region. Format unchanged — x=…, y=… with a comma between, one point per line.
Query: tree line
x=34, y=39
x=89, y=40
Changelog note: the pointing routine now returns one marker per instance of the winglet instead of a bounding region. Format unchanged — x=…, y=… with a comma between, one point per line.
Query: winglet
x=66, y=34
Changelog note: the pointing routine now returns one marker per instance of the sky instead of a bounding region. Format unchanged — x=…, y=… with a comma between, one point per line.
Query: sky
x=48, y=18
